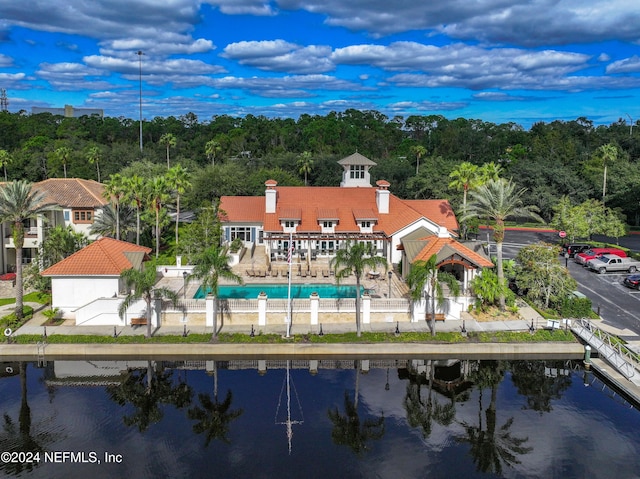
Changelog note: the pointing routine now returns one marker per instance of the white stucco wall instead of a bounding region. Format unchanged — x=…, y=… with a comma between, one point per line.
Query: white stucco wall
x=70, y=292
x=396, y=254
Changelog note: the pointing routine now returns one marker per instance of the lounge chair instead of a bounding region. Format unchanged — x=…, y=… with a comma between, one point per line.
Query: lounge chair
x=325, y=273
x=314, y=273
x=274, y=273
x=303, y=273
x=251, y=274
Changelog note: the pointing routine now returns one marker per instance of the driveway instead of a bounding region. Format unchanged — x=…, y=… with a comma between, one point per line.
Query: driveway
x=619, y=306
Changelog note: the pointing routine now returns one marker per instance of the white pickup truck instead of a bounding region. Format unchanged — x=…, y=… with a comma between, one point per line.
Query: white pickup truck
x=608, y=263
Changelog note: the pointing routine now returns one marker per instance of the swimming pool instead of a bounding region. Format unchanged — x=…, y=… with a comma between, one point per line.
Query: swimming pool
x=279, y=291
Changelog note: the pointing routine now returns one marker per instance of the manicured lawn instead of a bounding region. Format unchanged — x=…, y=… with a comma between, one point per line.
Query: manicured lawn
x=41, y=298
x=483, y=337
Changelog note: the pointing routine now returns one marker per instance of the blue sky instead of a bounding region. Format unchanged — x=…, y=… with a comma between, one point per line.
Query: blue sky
x=502, y=61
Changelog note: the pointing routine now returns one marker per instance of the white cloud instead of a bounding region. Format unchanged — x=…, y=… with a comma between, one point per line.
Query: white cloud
x=5, y=61
x=518, y=22
x=628, y=65
x=281, y=56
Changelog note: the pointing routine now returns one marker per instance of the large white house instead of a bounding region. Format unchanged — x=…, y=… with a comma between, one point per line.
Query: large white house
x=321, y=219
x=77, y=203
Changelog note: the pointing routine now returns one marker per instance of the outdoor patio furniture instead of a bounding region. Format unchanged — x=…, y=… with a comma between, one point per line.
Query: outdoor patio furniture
x=325, y=273
x=314, y=273
x=303, y=273
x=274, y=273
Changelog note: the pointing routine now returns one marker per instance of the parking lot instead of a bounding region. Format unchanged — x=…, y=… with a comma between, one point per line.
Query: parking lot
x=618, y=305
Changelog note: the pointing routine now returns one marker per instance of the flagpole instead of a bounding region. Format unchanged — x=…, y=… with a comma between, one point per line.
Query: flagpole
x=289, y=258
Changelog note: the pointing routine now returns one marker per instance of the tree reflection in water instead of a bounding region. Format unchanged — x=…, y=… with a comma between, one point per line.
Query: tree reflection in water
x=492, y=447
x=214, y=417
x=147, y=390
x=23, y=439
x=348, y=429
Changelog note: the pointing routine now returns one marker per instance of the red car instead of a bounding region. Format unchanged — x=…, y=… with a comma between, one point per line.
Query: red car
x=582, y=258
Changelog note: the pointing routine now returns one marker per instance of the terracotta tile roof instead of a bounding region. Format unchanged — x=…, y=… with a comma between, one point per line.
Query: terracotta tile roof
x=104, y=257
x=436, y=245
x=72, y=192
x=289, y=214
x=239, y=209
x=328, y=214
x=364, y=214
x=316, y=203
x=439, y=211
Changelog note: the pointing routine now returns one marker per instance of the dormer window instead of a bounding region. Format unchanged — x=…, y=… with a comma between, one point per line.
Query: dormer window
x=366, y=224
x=289, y=224
x=327, y=224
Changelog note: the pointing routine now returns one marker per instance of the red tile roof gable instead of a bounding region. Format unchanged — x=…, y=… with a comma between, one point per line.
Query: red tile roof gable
x=104, y=257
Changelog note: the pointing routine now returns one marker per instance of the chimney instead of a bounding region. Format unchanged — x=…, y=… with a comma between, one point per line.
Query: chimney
x=382, y=196
x=270, y=196
x=443, y=232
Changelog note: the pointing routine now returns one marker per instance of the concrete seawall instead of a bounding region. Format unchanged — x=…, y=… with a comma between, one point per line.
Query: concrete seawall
x=31, y=352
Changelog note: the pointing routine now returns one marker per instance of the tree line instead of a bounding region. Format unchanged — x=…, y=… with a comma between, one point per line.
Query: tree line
x=234, y=156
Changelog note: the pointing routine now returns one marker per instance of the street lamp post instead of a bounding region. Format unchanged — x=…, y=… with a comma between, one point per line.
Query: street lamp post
x=140, y=53
x=390, y=273
x=184, y=287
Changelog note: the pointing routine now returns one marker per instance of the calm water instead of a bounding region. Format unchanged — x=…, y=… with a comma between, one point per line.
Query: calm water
x=397, y=420
x=280, y=291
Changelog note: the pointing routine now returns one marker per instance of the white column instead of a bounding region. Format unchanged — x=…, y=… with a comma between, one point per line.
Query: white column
x=208, y=322
x=366, y=309
x=315, y=307
x=419, y=310
x=262, y=309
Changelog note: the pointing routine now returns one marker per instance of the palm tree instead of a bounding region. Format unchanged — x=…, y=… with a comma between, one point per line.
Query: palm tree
x=135, y=194
x=211, y=148
x=178, y=179
x=5, y=159
x=609, y=154
x=214, y=416
x=355, y=258
x=489, y=171
x=169, y=140
x=62, y=155
x=94, y=155
x=19, y=203
x=305, y=164
x=211, y=266
x=465, y=177
x=114, y=190
x=419, y=151
x=424, y=277
x=499, y=200
x=107, y=224
x=142, y=285
x=158, y=194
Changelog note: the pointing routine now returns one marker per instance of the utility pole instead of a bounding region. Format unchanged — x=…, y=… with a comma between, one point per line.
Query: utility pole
x=4, y=102
x=140, y=53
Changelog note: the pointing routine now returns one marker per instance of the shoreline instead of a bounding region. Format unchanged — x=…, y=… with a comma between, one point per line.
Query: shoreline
x=46, y=351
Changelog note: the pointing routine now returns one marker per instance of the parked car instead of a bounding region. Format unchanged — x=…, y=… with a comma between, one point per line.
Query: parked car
x=609, y=263
x=585, y=256
x=573, y=249
x=632, y=281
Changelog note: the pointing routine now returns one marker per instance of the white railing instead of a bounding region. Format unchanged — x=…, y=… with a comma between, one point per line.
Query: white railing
x=330, y=305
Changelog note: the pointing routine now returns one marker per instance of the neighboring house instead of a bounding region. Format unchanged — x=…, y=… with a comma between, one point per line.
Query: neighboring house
x=78, y=203
x=321, y=219
x=93, y=273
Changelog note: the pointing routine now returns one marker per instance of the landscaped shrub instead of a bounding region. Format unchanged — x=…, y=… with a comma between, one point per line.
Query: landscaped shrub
x=576, y=308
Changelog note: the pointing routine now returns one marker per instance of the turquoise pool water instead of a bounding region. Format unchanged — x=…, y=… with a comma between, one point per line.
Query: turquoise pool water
x=279, y=291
